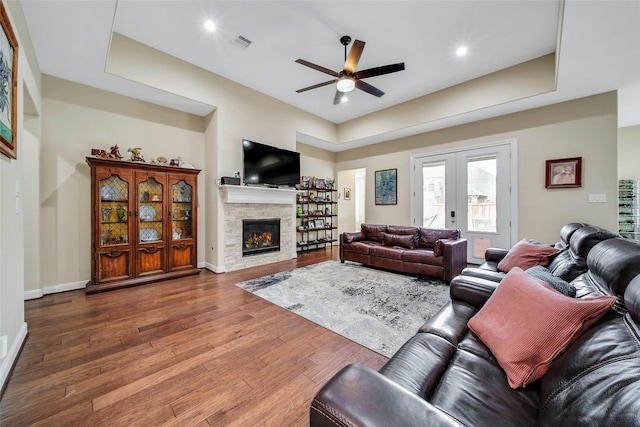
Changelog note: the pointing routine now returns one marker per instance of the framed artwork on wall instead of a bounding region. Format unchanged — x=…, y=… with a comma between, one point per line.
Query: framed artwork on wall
x=347, y=194
x=387, y=187
x=564, y=173
x=8, y=87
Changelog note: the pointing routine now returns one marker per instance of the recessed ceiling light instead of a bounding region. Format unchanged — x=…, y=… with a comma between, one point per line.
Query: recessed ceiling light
x=344, y=99
x=461, y=51
x=209, y=25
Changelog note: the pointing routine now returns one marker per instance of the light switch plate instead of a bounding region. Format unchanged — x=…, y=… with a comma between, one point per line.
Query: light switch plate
x=597, y=198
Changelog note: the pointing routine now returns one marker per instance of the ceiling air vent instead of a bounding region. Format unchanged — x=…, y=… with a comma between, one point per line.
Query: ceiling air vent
x=241, y=41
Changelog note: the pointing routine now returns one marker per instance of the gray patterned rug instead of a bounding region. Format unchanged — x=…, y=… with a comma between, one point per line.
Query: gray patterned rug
x=375, y=308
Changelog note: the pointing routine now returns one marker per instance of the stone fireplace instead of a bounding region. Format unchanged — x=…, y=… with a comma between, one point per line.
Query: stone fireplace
x=243, y=204
x=260, y=236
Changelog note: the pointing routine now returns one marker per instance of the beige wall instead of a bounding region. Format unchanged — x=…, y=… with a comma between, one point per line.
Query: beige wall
x=16, y=239
x=240, y=113
x=75, y=119
x=629, y=152
x=518, y=82
x=584, y=128
x=316, y=162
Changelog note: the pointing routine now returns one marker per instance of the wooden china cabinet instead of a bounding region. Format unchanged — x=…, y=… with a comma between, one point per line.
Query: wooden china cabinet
x=143, y=223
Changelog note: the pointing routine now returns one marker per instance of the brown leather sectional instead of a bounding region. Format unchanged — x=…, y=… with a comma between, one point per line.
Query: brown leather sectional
x=437, y=253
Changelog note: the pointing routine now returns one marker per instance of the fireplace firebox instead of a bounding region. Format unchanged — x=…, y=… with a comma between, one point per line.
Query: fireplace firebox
x=260, y=236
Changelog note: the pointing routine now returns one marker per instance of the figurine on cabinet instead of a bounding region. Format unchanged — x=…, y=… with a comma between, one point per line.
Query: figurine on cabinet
x=115, y=153
x=136, y=156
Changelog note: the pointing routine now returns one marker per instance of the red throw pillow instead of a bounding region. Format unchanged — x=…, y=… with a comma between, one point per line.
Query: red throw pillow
x=525, y=255
x=526, y=324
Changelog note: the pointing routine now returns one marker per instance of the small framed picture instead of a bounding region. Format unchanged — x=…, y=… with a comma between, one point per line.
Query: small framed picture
x=347, y=194
x=319, y=223
x=564, y=173
x=312, y=224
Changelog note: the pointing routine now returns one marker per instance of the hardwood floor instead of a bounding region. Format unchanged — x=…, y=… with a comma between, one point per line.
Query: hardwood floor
x=196, y=351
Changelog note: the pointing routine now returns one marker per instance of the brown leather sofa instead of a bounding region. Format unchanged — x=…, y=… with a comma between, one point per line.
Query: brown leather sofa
x=446, y=376
x=437, y=253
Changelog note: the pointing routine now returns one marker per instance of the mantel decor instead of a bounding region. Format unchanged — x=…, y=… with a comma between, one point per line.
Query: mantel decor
x=8, y=87
x=387, y=187
x=564, y=173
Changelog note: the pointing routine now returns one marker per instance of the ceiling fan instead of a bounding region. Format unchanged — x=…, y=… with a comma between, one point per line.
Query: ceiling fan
x=349, y=78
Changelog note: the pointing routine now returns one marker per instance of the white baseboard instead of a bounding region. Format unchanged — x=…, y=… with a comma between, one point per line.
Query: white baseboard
x=35, y=294
x=63, y=287
x=12, y=355
x=215, y=269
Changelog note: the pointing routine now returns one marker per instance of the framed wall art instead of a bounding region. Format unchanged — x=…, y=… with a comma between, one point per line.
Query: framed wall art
x=387, y=187
x=564, y=173
x=8, y=87
x=347, y=193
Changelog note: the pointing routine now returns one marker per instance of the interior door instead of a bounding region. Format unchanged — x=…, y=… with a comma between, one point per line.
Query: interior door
x=469, y=190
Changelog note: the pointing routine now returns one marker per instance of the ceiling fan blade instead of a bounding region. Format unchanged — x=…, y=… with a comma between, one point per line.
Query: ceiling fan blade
x=318, y=67
x=378, y=71
x=316, y=86
x=337, y=99
x=354, y=56
x=368, y=88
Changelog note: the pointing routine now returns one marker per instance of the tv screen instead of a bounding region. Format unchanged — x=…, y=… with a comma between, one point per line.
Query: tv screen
x=264, y=164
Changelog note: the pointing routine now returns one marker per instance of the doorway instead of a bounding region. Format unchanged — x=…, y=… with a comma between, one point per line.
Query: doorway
x=352, y=199
x=470, y=189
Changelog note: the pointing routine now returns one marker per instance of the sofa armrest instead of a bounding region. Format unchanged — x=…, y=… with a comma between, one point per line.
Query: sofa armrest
x=360, y=396
x=454, y=253
x=472, y=290
x=349, y=238
x=495, y=254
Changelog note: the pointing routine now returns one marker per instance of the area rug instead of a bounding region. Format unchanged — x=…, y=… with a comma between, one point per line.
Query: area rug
x=377, y=309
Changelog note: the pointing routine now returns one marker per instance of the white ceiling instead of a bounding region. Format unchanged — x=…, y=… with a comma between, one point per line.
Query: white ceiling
x=599, y=47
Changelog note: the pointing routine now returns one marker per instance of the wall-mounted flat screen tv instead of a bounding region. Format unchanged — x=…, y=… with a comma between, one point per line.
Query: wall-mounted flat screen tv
x=264, y=164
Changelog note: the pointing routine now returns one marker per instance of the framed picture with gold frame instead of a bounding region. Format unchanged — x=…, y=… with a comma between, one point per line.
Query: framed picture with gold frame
x=8, y=87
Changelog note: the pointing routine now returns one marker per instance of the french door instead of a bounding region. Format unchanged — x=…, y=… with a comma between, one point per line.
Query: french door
x=469, y=190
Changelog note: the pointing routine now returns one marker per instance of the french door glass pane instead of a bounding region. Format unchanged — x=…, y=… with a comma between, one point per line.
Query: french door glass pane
x=433, y=195
x=481, y=193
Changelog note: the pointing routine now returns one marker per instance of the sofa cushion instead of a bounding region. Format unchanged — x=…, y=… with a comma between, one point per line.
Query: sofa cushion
x=386, y=252
x=422, y=256
x=526, y=324
x=406, y=241
x=560, y=285
x=428, y=236
x=404, y=230
x=352, y=237
x=525, y=255
x=373, y=232
x=360, y=247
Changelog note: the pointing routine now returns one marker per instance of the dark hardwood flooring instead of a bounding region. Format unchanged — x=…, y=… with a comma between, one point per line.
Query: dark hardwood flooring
x=196, y=351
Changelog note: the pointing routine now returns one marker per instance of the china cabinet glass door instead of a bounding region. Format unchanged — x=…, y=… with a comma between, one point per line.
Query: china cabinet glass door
x=181, y=209
x=114, y=211
x=150, y=210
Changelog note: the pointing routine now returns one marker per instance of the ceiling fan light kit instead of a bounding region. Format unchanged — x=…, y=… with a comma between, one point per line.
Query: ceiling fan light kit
x=349, y=79
x=346, y=84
